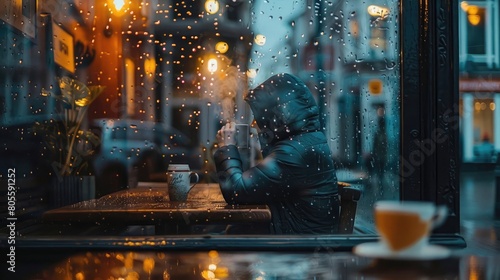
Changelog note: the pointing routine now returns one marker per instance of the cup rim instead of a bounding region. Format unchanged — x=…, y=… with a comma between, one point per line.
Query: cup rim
x=178, y=166
x=404, y=206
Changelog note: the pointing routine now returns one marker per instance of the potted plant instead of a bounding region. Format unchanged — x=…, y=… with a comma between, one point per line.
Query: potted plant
x=69, y=146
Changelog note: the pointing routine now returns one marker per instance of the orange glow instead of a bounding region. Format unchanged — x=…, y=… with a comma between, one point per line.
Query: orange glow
x=472, y=10
x=473, y=14
x=118, y=7
x=118, y=4
x=150, y=66
x=474, y=19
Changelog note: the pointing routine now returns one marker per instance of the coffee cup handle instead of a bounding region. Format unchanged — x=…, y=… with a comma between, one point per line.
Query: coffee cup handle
x=196, y=181
x=440, y=217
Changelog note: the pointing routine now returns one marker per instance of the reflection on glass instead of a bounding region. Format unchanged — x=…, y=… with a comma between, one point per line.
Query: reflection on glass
x=174, y=72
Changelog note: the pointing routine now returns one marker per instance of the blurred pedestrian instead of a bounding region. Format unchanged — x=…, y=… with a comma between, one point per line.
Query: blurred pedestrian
x=379, y=152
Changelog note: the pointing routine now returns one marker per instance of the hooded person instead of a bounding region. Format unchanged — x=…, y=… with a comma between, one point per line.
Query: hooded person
x=296, y=177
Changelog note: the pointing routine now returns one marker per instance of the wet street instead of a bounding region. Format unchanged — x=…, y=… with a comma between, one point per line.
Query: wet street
x=479, y=226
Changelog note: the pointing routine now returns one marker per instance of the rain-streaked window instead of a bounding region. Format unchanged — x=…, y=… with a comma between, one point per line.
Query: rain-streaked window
x=111, y=93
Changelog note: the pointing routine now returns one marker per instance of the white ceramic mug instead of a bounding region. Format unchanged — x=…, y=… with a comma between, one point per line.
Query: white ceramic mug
x=404, y=226
x=179, y=178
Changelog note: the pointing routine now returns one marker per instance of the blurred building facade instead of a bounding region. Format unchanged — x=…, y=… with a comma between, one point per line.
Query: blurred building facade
x=352, y=64
x=479, y=48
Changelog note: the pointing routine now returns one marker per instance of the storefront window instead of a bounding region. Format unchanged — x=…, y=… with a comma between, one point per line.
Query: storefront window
x=121, y=92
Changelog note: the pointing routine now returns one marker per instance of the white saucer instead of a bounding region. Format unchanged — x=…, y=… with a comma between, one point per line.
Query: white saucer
x=377, y=250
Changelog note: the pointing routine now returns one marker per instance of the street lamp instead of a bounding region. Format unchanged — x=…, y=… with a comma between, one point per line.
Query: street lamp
x=212, y=65
x=117, y=7
x=212, y=6
x=118, y=4
x=378, y=11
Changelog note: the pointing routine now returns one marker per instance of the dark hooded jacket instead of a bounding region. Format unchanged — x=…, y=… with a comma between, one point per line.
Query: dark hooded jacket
x=296, y=178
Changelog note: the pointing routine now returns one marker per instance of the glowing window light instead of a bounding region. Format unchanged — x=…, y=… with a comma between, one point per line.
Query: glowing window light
x=473, y=14
x=222, y=47
x=260, y=39
x=150, y=66
x=477, y=106
x=377, y=11
x=212, y=65
x=212, y=6
x=472, y=10
x=474, y=19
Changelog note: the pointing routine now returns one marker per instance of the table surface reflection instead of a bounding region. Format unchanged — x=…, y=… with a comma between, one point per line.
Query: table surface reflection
x=259, y=265
x=149, y=204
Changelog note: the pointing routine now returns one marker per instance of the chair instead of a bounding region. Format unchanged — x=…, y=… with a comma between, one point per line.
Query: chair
x=349, y=198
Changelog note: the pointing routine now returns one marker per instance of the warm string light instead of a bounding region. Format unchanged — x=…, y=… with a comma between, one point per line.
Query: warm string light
x=481, y=106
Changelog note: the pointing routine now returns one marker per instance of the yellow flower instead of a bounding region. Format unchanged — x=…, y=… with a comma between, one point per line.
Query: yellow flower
x=73, y=91
x=67, y=140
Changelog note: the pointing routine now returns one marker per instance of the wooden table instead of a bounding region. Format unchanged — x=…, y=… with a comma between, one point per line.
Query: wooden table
x=149, y=204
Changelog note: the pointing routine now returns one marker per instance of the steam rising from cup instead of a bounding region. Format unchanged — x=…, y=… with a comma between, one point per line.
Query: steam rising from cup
x=228, y=84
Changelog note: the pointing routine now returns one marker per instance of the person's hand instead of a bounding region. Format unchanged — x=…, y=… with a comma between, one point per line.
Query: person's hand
x=227, y=135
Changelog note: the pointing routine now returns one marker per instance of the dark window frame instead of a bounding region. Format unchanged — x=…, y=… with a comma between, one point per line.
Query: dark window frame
x=429, y=107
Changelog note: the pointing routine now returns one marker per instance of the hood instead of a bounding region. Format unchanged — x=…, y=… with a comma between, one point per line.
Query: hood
x=283, y=106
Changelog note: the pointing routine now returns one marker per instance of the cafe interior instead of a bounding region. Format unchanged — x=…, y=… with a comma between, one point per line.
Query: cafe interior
x=101, y=101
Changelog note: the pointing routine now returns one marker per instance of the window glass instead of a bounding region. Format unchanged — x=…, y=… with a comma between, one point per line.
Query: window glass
x=122, y=90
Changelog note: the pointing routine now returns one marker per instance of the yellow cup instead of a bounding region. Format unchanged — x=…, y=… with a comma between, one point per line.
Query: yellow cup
x=404, y=227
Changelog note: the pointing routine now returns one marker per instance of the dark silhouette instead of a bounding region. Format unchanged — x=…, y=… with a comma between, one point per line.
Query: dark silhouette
x=296, y=177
